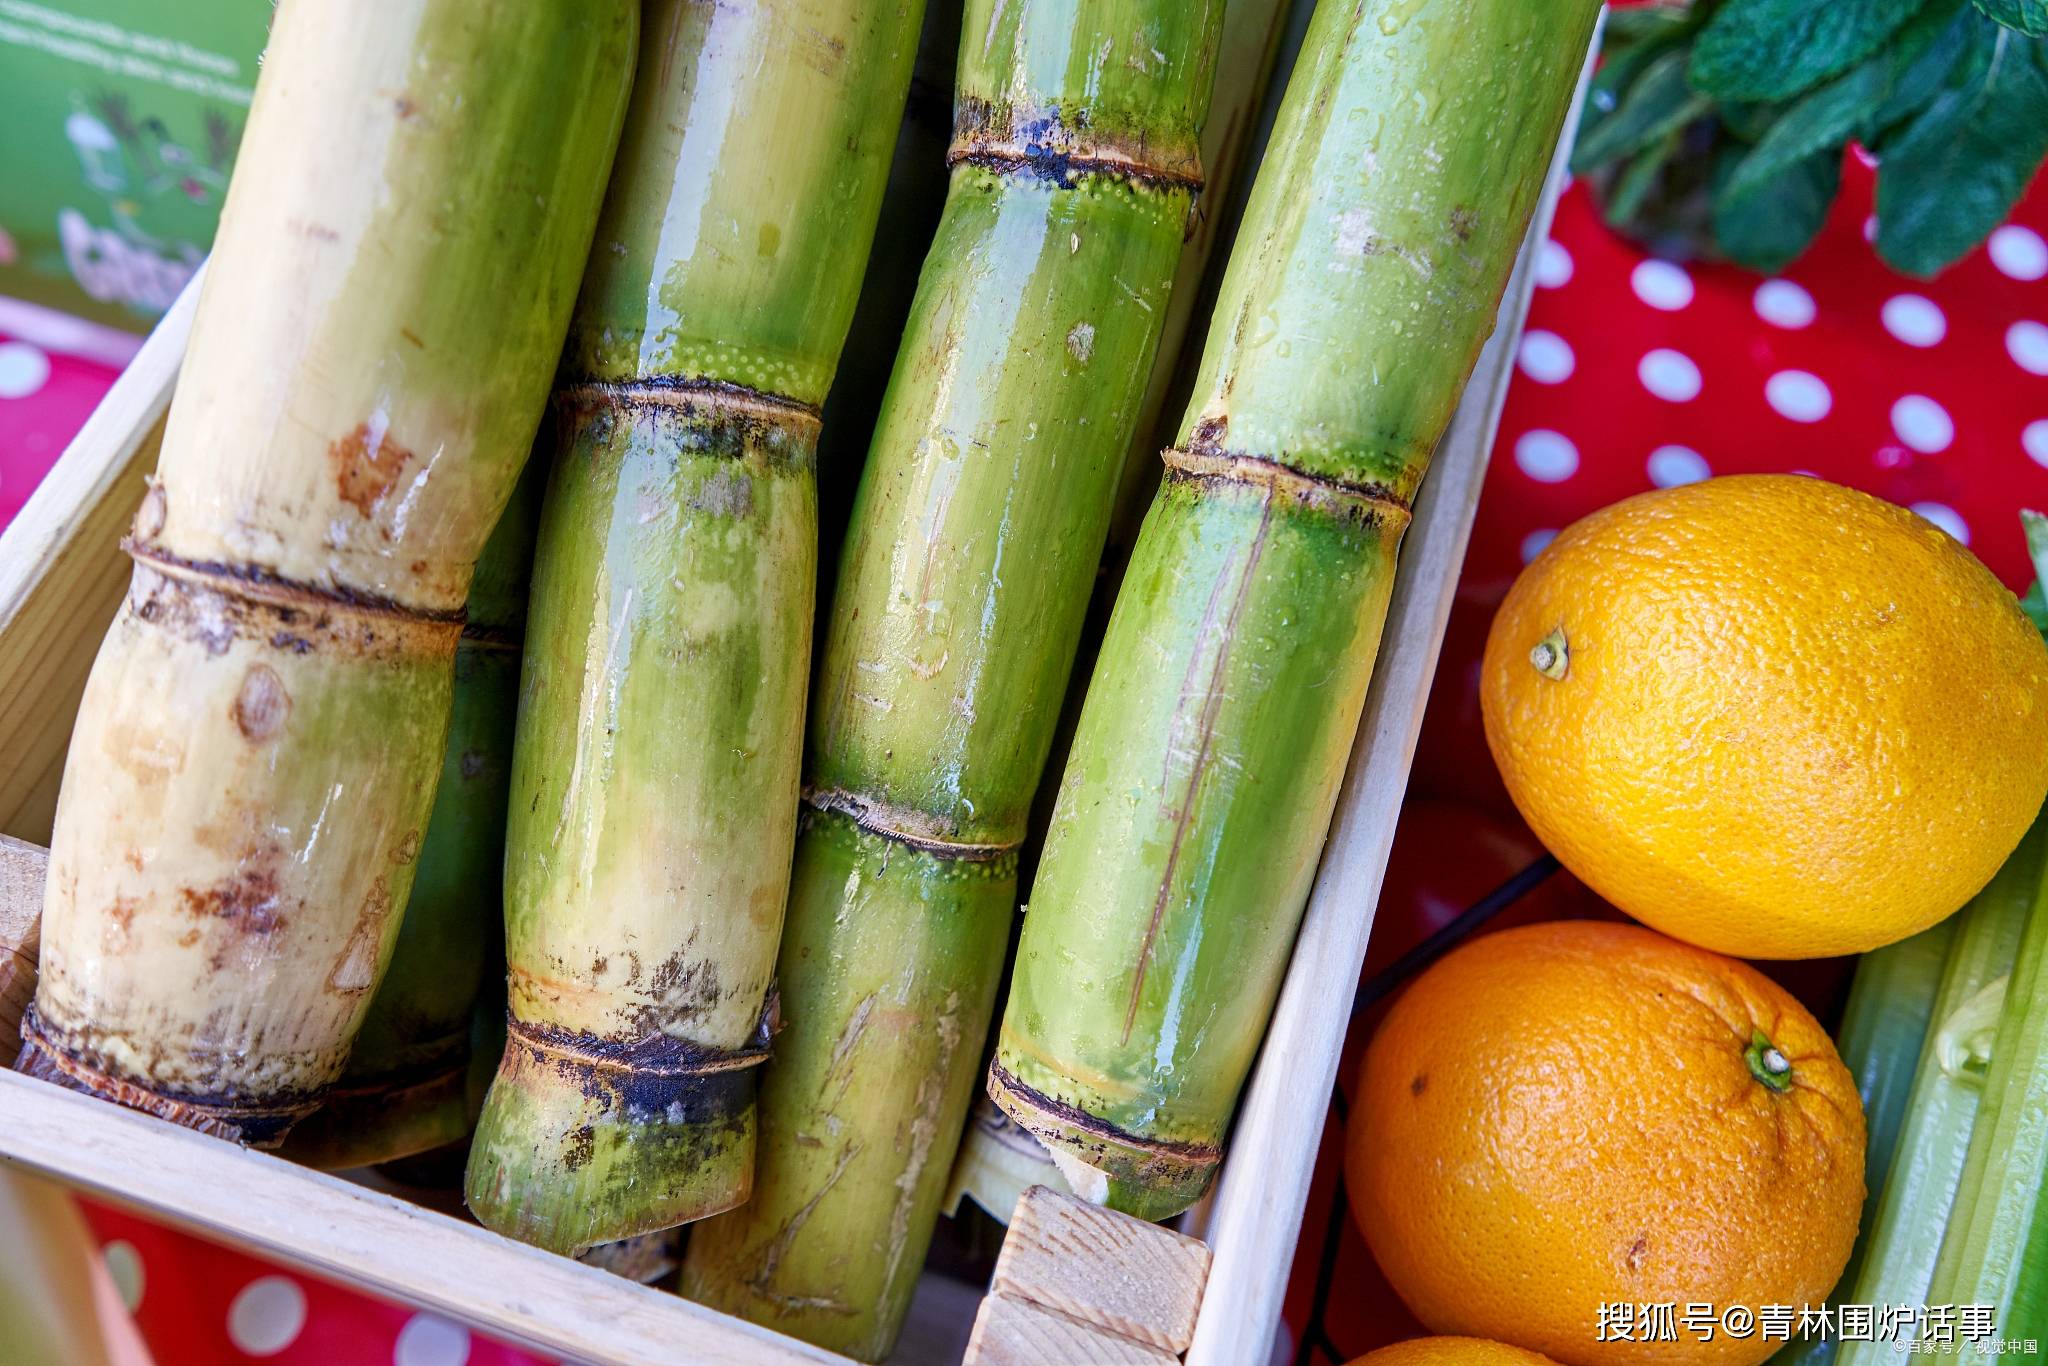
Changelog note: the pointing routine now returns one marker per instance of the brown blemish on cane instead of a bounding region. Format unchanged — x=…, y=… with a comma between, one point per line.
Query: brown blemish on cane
x=582, y=1147
x=1050, y=144
x=1464, y=222
x=215, y=605
x=367, y=464
x=119, y=924
x=261, y=704
x=248, y=902
x=356, y=970
x=408, y=849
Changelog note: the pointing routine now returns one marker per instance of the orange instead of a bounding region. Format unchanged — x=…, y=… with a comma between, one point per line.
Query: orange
x=1769, y=715
x=1578, y=1114
x=1451, y=1352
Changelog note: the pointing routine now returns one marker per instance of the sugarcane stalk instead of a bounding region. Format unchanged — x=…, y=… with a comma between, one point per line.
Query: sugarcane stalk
x=255, y=756
x=406, y=1087
x=975, y=537
x=656, y=766
x=997, y=1161
x=1407, y=156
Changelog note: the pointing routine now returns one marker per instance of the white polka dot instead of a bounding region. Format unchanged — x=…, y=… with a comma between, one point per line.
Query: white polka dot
x=1553, y=265
x=1783, y=304
x=1923, y=424
x=1945, y=517
x=1662, y=285
x=1798, y=395
x=1669, y=375
x=2019, y=252
x=2034, y=441
x=1538, y=541
x=1545, y=356
x=23, y=369
x=124, y=1269
x=2027, y=342
x=429, y=1341
x=1914, y=319
x=1870, y=228
x=1546, y=456
x=1671, y=466
x=267, y=1315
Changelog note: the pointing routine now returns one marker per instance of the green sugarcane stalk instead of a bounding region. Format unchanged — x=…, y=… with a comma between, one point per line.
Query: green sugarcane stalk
x=407, y=1086
x=655, y=773
x=255, y=757
x=1989, y=1254
x=997, y=1161
x=976, y=533
x=1884, y=1028
x=1910, y=1214
x=1407, y=157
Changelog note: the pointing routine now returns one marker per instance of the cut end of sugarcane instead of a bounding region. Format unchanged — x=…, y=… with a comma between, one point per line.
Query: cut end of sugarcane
x=584, y=1141
x=1148, y=1178
x=360, y=1126
x=252, y=1123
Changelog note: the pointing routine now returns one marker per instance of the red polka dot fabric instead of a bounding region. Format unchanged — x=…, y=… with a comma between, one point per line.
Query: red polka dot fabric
x=1633, y=373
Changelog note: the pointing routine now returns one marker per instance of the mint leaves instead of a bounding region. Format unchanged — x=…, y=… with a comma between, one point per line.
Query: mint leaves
x=1727, y=120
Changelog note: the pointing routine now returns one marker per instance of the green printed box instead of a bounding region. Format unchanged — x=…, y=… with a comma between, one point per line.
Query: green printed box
x=118, y=124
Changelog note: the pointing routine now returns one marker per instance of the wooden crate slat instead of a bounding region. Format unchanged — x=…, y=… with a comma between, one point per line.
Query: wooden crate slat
x=1253, y=1216
x=1135, y=1279
x=62, y=573
x=1011, y=1332
x=369, y=1239
x=22, y=869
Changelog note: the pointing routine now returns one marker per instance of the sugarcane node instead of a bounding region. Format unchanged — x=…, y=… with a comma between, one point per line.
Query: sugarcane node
x=1064, y=149
x=755, y=416
x=907, y=826
x=215, y=603
x=46, y=1058
x=1140, y=1175
x=653, y=1055
x=1365, y=504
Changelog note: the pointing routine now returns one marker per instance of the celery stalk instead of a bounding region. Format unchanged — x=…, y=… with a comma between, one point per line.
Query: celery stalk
x=1884, y=1027
x=1919, y=1190
x=1989, y=1254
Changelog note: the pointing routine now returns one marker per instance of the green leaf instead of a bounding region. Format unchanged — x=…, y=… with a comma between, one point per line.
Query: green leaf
x=1749, y=120
x=1823, y=121
x=2035, y=603
x=2028, y=16
x=1635, y=185
x=1645, y=23
x=1767, y=225
x=1659, y=103
x=1953, y=174
x=1773, y=49
x=1855, y=103
x=1924, y=55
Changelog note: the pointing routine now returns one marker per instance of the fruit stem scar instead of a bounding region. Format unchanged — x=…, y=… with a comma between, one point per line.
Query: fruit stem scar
x=1767, y=1064
x=1552, y=657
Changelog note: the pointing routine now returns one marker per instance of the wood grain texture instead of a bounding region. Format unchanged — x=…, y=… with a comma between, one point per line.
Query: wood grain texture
x=1253, y=1214
x=329, y=1226
x=1011, y=1332
x=62, y=572
x=1104, y=1268
x=22, y=868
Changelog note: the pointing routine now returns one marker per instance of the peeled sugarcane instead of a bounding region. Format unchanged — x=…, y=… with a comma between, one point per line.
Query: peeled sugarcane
x=1407, y=157
x=255, y=756
x=655, y=770
x=975, y=538
x=407, y=1088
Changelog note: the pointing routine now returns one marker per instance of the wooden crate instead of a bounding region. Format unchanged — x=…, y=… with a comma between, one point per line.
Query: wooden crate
x=62, y=576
